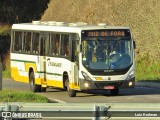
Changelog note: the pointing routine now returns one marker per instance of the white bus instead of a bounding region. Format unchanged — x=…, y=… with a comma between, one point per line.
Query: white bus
x=73, y=56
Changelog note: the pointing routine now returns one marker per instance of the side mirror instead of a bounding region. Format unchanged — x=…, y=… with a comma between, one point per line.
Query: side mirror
x=134, y=44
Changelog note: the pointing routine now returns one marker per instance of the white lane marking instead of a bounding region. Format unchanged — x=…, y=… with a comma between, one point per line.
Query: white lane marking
x=59, y=101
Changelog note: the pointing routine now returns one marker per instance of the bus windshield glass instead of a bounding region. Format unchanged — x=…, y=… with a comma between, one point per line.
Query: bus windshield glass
x=106, y=52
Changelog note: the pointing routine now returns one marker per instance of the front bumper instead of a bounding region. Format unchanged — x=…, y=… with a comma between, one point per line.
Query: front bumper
x=101, y=84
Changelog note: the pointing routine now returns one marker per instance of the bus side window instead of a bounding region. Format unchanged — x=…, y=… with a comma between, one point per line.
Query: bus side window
x=18, y=41
x=66, y=48
x=27, y=42
x=35, y=42
x=51, y=45
x=65, y=45
x=57, y=45
x=43, y=50
x=24, y=40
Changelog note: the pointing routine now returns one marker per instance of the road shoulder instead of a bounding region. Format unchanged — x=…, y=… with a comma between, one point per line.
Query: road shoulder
x=148, y=84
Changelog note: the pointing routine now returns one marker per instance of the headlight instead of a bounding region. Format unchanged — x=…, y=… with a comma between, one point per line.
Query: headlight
x=86, y=76
x=131, y=75
x=86, y=84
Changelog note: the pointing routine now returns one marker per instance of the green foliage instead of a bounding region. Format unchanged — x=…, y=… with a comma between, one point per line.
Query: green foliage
x=147, y=70
x=17, y=96
x=15, y=11
x=6, y=65
x=4, y=49
x=5, y=29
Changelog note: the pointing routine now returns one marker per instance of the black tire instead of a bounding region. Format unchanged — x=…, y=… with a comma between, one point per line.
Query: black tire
x=65, y=82
x=43, y=89
x=114, y=92
x=71, y=93
x=33, y=86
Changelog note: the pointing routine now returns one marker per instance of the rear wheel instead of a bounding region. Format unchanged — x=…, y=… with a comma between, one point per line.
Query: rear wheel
x=114, y=92
x=33, y=86
x=71, y=93
x=43, y=89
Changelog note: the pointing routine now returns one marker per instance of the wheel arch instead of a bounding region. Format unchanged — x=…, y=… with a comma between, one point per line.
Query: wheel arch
x=30, y=70
x=65, y=77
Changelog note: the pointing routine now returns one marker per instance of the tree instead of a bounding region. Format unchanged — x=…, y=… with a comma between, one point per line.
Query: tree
x=19, y=11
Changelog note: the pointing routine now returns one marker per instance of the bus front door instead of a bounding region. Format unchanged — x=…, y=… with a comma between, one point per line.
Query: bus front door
x=43, y=51
x=75, y=64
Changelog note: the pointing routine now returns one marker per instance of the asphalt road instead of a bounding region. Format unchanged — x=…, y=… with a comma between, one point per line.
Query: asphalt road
x=136, y=95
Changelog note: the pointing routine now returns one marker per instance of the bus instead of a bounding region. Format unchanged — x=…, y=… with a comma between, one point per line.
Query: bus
x=72, y=56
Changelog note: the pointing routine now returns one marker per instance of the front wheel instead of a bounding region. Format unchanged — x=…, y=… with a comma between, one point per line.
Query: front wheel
x=114, y=92
x=71, y=93
x=33, y=86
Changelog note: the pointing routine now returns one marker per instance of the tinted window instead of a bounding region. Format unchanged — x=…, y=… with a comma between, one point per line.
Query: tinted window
x=17, y=41
x=27, y=42
x=65, y=45
x=35, y=43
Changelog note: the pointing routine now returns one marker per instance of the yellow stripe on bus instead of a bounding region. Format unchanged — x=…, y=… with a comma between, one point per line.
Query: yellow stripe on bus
x=28, y=65
x=53, y=83
x=59, y=84
x=14, y=73
x=17, y=77
x=74, y=86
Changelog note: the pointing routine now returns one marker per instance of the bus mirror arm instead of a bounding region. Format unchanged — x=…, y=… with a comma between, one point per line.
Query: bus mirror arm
x=134, y=44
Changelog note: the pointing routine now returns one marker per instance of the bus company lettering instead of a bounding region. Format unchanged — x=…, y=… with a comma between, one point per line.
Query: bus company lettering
x=54, y=64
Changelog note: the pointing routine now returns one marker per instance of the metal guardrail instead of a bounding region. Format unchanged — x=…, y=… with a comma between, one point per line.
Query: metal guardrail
x=80, y=111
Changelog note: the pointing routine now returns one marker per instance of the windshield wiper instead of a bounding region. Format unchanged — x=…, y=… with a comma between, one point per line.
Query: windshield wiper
x=99, y=45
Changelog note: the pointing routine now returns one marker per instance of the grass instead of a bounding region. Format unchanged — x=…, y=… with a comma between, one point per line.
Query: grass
x=147, y=70
x=17, y=96
x=6, y=73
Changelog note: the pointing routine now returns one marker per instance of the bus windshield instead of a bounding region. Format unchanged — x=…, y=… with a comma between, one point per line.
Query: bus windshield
x=102, y=54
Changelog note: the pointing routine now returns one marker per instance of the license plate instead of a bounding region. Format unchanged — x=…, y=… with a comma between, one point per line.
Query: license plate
x=109, y=87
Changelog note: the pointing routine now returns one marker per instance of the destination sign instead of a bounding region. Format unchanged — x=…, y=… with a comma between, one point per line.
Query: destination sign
x=106, y=33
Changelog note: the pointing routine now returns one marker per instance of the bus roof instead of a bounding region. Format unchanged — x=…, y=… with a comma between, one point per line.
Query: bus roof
x=62, y=27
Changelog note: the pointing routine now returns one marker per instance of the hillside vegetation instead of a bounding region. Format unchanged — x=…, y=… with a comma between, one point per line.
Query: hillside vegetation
x=142, y=16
